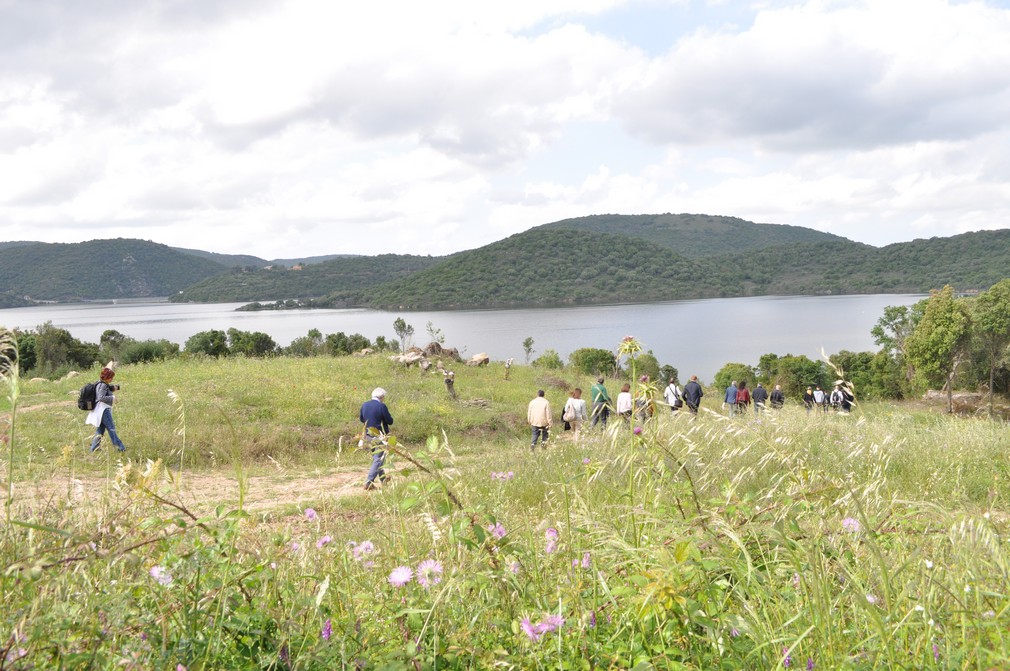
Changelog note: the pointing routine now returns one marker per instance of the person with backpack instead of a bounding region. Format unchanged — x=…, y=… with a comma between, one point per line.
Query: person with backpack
x=100, y=416
x=673, y=396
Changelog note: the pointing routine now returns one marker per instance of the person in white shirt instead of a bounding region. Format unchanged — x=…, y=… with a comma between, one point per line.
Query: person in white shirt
x=624, y=403
x=673, y=395
x=575, y=411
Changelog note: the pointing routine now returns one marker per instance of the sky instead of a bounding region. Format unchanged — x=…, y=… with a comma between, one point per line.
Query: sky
x=292, y=128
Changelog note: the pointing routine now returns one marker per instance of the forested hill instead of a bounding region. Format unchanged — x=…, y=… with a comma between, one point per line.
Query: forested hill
x=549, y=266
x=99, y=269
x=343, y=274
x=695, y=235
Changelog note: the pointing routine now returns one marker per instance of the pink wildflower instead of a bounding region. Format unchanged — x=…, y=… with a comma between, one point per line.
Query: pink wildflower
x=322, y=542
x=310, y=515
x=327, y=630
x=429, y=572
x=400, y=576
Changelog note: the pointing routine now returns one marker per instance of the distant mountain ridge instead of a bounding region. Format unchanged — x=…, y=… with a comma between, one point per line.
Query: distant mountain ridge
x=587, y=260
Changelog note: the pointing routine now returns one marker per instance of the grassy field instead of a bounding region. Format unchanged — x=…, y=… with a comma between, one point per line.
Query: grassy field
x=234, y=532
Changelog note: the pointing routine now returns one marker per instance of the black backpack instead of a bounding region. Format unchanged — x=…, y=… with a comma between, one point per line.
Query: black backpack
x=86, y=400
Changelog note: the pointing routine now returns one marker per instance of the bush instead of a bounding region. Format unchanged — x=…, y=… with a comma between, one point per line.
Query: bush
x=146, y=351
x=549, y=360
x=593, y=361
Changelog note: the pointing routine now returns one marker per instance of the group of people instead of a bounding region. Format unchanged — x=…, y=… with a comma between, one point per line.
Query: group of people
x=576, y=412
x=840, y=399
x=738, y=398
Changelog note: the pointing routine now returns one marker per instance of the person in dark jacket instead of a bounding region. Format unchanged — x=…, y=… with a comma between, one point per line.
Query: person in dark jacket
x=742, y=398
x=101, y=416
x=760, y=397
x=377, y=420
x=692, y=394
x=778, y=398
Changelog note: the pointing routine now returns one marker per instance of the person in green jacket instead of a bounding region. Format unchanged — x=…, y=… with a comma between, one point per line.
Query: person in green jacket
x=601, y=402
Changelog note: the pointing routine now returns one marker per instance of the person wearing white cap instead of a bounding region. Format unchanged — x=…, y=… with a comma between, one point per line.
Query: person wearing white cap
x=375, y=415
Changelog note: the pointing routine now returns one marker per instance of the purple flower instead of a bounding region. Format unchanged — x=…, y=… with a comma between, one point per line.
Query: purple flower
x=587, y=560
x=180, y=667
x=327, y=630
x=360, y=550
x=787, y=659
x=851, y=525
x=734, y=632
x=429, y=572
x=295, y=546
x=552, y=547
x=810, y=664
x=497, y=530
x=551, y=534
x=552, y=623
x=400, y=576
x=515, y=567
x=161, y=575
x=323, y=541
x=936, y=651
x=532, y=631
x=310, y=515
x=592, y=618
x=586, y=461
x=638, y=430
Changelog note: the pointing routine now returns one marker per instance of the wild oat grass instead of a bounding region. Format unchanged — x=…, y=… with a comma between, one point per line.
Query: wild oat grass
x=874, y=540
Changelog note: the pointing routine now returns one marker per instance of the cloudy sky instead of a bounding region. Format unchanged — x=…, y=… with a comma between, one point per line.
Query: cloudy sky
x=286, y=128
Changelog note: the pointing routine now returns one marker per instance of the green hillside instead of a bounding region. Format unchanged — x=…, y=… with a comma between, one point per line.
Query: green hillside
x=99, y=269
x=696, y=235
x=550, y=267
x=227, y=260
x=351, y=273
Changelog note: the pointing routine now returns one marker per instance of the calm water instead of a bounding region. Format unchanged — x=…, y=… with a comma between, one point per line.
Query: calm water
x=697, y=337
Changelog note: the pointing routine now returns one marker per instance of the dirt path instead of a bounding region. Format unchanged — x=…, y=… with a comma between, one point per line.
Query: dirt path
x=280, y=493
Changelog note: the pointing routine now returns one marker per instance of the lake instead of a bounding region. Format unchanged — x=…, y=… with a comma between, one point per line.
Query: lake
x=697, y=337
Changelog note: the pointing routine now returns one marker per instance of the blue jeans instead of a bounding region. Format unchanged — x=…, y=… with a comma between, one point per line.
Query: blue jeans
x=378, y=459
x=600, y=413
x=107, y=425
x=542, y=432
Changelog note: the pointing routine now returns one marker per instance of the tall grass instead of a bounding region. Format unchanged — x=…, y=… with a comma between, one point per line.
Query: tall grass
x=876, y=540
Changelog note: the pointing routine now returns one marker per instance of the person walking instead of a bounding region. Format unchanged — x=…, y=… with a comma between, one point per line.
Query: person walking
x=674, y=397
x=778, y=398
x=538, y=414
x=730, y=397
x=101, y=416
x=692, y=394
x=575, y=412
x=820, y=399
x=625, y=406
x=375, y=417
x=742, y=398
x=601, y=402
x=808, y=399
x=760, y=397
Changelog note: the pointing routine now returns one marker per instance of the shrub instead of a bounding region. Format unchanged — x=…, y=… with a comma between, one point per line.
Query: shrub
x=593, y=361
x=550, y=360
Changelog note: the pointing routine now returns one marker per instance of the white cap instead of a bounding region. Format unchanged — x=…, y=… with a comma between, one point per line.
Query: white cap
x=378, y=393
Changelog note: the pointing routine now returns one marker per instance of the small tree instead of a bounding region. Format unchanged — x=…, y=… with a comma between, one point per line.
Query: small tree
x=550, y=359
x=593, y=361
x=528, y=348
x=403, y=331
x=211, y=343
x=435, y=334
x=940, y=340
x=991, y=315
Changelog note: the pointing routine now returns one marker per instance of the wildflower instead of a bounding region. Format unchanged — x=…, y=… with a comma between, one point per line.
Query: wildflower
x=851, y=525
x=585, y=461
x=929, y=564
x=161, y=575
x=400, y=576
x=532, y=631
x=295, y=546
x=638, y=430
x=551, y=534
x=322, y=542
x=810, y=664
x=989, y=614
x=327, y=630
x=429, y=572
x=734, y=632
x=515, y=567
x=180, y=667
x=310, y=515
x=796, y=581
x=273, y=565
x=587, y=560
x=592, y=618
x=497, y=530
x=870, y=599
x=552, y=623
x=360, y=550
x=552, y=547
x=787, y=659
x=936, y=651
x=967, y=589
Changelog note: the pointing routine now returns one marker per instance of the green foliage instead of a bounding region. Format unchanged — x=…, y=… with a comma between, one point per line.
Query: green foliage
x=403, y=331
x=796, y=373
x=991, y=321
x=54, y=349
x=528, y=347
x=100, y=269
x=592, y=361
x=940, y=339
x=250, y=343
x=146, y=351
x=646, y=363
x=550, y=360
x=731, y=372
x=211, y=343
x=668, y=372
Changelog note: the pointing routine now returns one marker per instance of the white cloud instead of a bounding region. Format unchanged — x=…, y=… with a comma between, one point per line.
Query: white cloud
x=291, y=127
